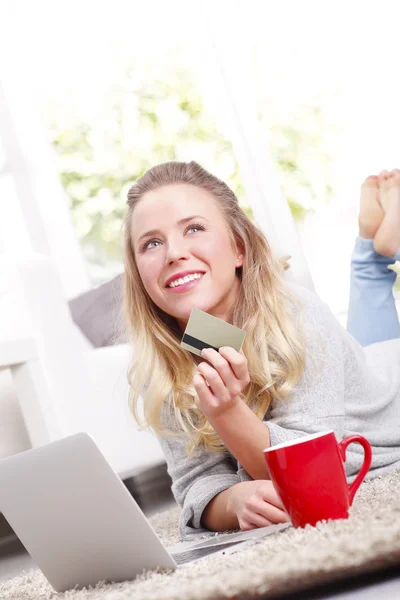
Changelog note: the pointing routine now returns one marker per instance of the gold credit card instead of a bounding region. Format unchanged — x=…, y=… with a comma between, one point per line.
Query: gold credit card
x=205, y=331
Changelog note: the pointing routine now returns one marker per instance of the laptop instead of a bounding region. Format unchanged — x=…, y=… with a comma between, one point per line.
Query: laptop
x=80, y=524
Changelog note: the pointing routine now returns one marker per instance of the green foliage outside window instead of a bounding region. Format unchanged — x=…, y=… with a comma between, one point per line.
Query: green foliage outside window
x=153, y=118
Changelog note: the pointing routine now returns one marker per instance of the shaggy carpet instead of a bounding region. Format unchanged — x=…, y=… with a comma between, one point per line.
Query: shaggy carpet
x=290, y=560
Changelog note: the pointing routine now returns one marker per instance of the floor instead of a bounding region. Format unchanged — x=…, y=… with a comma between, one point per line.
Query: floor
x=384, y=585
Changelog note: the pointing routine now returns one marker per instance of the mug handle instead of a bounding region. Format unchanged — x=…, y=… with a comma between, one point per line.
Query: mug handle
x=353, y=487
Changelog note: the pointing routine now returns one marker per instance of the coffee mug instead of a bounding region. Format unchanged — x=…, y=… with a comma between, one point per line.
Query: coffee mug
x=309, y=476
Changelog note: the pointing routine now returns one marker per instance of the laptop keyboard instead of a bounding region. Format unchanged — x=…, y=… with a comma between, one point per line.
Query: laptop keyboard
x=189, y=555
x=242, y=538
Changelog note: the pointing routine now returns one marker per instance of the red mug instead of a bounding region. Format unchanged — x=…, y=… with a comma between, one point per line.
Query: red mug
x=309, y=476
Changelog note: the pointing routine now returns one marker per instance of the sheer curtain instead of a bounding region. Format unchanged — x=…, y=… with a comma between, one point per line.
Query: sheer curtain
x=33, y=210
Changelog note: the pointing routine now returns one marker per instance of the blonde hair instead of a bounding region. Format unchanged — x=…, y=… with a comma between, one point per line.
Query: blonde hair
x=162, y=371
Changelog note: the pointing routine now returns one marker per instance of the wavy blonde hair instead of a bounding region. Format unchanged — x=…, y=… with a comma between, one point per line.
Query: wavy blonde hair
x=162, y=371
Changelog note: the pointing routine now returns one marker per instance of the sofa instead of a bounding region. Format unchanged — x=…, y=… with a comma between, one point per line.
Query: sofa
x=85, y=365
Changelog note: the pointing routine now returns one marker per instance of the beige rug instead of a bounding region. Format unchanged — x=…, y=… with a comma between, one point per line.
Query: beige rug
x=291, y=560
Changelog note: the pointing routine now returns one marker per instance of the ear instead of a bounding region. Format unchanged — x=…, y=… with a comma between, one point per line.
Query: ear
x=240, y=260
x=238, y=249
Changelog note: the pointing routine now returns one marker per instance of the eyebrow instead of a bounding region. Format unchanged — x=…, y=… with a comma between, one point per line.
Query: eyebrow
x=180, y=222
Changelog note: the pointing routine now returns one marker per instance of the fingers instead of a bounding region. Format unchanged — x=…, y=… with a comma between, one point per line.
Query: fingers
x=254, y=522
x=216, y=385
x=269, y=494
x=231, y=365
x=264, y=504
x=205, y=397
x=221, y=366
x=212, y=376
x=259, y=508
x=252, y=509
x=238, y=363
x=212, y=396
x=261, y=514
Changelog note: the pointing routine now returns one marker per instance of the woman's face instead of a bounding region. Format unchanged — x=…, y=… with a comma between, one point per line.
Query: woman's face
x=178, y=230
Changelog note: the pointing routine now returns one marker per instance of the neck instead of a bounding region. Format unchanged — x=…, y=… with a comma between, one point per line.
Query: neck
x=223, y=310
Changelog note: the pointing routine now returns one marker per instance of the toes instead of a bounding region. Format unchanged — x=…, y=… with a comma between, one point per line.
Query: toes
x=384, y=179
x=394, y=180
x=371, y=181
x=371, y=213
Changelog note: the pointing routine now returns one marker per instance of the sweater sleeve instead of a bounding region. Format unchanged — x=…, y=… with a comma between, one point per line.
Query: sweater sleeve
x=317, y=403
x=196, y=480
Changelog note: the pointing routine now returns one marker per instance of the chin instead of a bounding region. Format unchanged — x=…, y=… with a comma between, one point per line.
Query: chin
x=185, y=313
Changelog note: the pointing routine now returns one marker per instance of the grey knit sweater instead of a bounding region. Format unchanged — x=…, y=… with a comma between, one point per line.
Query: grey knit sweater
x=344, y=388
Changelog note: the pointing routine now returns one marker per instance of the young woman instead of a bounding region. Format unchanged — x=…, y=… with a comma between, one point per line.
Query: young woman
x=188, y=244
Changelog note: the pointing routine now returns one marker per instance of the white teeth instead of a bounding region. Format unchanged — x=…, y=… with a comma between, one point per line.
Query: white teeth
x=183, y=280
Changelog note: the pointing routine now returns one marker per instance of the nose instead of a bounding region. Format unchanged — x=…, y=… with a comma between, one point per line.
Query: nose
x=176, y=250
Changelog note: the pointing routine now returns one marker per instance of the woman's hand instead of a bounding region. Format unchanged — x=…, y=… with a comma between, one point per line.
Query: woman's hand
x=227, y=376
x=256, y=504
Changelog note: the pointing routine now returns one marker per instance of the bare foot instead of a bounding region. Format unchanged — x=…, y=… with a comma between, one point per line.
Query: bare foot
x=387, y=238
x=371, y=212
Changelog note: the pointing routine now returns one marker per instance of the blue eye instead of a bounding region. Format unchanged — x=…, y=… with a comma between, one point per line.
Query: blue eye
x=146, y=245
x=196, y=226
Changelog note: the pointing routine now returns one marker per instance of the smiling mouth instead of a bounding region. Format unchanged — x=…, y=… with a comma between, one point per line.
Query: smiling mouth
x=185, y=284
x=184, y=280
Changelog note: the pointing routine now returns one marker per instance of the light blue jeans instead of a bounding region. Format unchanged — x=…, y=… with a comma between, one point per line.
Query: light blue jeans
x=372, y=315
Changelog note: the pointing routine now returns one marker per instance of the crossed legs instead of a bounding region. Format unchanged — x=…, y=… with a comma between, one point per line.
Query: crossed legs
x=372, y=315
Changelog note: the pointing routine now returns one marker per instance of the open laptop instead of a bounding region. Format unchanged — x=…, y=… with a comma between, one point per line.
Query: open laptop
x=81, y=525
